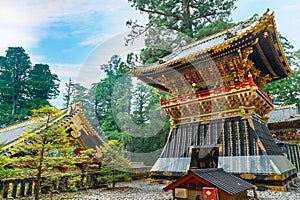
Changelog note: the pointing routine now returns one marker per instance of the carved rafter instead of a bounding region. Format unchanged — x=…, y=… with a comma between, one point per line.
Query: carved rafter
x=209, y=74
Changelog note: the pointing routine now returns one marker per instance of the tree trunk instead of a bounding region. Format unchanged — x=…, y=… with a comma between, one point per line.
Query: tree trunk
x=187, y=20
x=14, y=106
x=38, y=181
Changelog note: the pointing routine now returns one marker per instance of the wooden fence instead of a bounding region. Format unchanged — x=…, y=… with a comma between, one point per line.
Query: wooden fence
x=13, y=188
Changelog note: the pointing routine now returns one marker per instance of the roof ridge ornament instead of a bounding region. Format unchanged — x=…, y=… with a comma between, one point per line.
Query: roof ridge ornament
x=250, y=21
x=267, y=11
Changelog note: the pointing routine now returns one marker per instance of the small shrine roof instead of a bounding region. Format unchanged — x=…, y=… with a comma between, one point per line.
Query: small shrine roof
x=224, y=181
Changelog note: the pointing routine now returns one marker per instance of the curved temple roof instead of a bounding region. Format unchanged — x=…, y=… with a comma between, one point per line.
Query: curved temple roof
x=259, y=34
x=72, y=118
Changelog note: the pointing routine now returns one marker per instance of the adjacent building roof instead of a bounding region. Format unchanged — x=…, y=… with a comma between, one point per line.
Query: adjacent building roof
x=284, y=123
x=220, y=179
x=284, y=114
x=72, y=119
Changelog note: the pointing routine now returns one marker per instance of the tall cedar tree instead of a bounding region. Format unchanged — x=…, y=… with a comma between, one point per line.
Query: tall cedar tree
x=23, y=87
x=67, y=97
x=42, y=151
x=42, y=85
x=15, y=68
x=129, y=116
x=105, y=98
x=153, y=126
x=175, y=23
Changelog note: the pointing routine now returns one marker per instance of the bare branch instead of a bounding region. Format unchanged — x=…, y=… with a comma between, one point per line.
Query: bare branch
x=171, y=28
x=160, y=13
x=136, y=31
x=205, y=16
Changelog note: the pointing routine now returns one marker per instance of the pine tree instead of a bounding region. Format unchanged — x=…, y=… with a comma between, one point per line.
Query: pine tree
x=23, y=87
x=44, y=148
x=14, y=73
x=5, y=171
x=114, y=166
x=107, y=94
x=68, y=95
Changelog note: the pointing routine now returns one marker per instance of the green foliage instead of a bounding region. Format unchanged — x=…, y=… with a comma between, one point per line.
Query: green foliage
x=297, y=54
x=146, y=115
x=23, y=87
x=141, y=101
x=5, y=171
x=176, y=23
x=105, y=96
x=44, y=148
x=73, y=180
x=285, y=91
x=79, y=94
x=114, y=166
x=289, y=52
x=129, y=113
x=42, y=84
x=68, y=96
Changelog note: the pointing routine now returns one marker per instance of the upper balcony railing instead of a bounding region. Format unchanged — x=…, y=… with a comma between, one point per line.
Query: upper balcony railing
x=213, y=91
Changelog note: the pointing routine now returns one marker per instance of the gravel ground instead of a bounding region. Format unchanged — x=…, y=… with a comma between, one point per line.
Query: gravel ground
x=294, y=194
x=141, y=190
x=135, y=190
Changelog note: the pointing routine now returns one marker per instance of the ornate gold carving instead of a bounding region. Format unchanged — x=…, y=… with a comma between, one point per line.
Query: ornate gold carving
x=74, y=133
x=248, y=176
x=167, y=182
x=98, y=153
x=167, y=173
x=153, y=173
x=239, y=100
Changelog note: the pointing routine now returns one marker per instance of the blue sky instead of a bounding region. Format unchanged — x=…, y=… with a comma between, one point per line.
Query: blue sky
x=66, y=33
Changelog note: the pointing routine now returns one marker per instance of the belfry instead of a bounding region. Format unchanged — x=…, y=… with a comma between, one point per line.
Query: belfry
x=218, y=109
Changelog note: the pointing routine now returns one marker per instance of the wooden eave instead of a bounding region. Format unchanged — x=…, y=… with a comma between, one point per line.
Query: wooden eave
x=290, y=124
x=258, y=34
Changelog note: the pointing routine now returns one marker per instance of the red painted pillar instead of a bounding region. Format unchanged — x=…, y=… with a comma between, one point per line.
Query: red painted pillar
x=250, y=80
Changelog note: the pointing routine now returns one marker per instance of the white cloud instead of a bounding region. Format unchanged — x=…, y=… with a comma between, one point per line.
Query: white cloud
x=36, y=59
x=65, y=71
x=23, y=22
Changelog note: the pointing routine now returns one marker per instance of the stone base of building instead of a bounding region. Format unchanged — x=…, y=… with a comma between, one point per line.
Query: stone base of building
x=243, y=146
